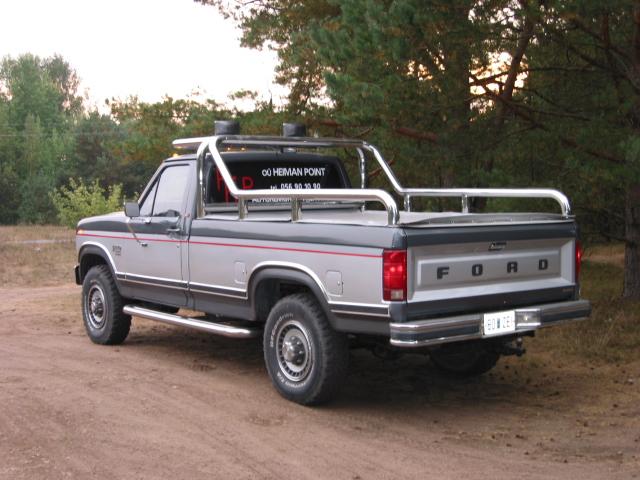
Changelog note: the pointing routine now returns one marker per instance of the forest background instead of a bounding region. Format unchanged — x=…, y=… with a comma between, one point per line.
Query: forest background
x=460, y=93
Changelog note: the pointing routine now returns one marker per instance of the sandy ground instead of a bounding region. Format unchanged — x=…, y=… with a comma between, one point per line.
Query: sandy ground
x=171, y=403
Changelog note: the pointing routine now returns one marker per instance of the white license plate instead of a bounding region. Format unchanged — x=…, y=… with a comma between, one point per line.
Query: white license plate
x=498, y=323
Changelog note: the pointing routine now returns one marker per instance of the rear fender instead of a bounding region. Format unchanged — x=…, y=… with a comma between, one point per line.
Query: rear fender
x=296, y=274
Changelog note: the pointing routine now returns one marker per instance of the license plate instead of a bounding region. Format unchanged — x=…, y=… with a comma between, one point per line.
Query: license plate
x=498, y=323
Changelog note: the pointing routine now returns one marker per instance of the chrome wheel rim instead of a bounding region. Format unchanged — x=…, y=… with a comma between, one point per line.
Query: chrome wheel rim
x=96, y=307
x=294, y=351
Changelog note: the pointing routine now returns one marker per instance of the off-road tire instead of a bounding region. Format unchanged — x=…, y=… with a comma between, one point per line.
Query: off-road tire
x=465, y=360
x=102, y=308
x=298, y=324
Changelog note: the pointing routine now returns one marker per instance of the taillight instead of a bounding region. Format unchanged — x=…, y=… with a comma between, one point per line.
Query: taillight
x=578, y=259
x=394, y=275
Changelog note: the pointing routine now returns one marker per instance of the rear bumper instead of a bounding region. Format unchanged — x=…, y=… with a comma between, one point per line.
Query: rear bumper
x=422, y=333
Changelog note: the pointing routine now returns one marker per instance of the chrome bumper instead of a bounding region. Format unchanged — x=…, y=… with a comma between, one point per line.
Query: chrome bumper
x=422, y=333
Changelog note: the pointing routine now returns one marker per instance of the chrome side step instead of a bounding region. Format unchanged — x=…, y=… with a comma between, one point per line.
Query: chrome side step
x=211, y=327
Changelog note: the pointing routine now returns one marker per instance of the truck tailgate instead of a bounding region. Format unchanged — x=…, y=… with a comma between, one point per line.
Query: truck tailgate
x=463, y=268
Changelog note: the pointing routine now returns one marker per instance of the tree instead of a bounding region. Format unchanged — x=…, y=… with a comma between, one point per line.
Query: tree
x=93, y=156
x=476, y=92
x=46, y=137
x=282, y=25
x=583, y=95
x=38, y=104
x=40, y=169
x=45, y=88
x=9, y=198
x=149, y=129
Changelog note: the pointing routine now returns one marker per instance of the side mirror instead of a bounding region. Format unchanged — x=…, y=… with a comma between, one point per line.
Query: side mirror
x=131, y=209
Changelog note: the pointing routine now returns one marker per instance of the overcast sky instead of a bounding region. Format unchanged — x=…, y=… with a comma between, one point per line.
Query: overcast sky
x=139, y=47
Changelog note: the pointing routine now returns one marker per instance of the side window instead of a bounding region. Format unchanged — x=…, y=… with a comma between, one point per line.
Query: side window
x=171, y=191
x=147, y=206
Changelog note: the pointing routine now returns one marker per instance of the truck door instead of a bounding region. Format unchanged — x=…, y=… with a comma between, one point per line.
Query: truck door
x=153, y=260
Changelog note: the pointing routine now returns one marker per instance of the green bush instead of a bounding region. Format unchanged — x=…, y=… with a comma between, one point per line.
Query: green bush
x=78, y=200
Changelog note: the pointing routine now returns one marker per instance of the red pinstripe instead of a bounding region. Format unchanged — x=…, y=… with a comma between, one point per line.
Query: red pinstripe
x=218, y=244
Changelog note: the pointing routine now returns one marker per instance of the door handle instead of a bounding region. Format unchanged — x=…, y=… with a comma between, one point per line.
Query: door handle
x=173, y=230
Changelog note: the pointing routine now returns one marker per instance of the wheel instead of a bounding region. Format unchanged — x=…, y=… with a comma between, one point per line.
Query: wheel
x=465, y=360
x=102, y=308
x=306, y=359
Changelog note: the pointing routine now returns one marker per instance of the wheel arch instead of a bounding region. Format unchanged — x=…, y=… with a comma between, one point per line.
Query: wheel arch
x=91, y=254
x=266, y=282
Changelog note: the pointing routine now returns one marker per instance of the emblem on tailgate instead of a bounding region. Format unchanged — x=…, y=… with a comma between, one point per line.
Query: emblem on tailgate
x=477, y=269
x=496, y=246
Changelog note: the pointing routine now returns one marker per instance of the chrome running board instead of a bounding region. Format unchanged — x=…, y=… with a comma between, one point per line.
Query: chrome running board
x=211, y=327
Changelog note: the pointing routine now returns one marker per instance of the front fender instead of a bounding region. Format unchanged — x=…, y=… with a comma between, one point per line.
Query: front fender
x=97, y=250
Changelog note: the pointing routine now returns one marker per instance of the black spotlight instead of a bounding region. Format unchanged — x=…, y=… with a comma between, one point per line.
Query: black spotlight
x=294, y=130
x=226, y=127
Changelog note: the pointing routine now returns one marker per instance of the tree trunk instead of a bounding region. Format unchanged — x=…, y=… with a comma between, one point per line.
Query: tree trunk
x=457, y=63
x=632, y=208
x=632, y=244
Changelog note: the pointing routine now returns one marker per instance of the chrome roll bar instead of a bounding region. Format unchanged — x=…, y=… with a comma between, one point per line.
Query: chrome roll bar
x=296, y=196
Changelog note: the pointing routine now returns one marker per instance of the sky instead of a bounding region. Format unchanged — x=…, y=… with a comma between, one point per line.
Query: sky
x=147, y=48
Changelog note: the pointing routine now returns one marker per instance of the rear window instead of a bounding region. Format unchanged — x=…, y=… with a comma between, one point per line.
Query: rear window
x=307, y=173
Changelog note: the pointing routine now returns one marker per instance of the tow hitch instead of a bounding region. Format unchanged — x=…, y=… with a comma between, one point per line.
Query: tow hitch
x=514, y=347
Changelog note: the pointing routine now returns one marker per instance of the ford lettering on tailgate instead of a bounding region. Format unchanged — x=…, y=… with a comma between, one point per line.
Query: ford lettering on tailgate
x=491, y=267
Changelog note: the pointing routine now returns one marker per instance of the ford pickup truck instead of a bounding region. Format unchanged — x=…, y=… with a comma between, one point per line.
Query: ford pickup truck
x=259, y=236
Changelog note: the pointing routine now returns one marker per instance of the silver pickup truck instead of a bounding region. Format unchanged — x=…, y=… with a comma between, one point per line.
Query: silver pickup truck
x=266, y=236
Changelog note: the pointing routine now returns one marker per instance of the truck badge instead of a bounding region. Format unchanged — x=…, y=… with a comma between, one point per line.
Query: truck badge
x=497, y=246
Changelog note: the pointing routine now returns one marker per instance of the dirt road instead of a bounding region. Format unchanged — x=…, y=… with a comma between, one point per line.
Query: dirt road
x=171, y=403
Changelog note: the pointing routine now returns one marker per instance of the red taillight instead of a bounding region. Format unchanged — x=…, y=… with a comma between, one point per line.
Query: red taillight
x=394, y=275
x=578, y=259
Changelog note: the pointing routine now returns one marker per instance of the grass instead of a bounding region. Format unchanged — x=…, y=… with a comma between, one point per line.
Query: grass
x=612, y=334
x=11, y=233
x=36, y=264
